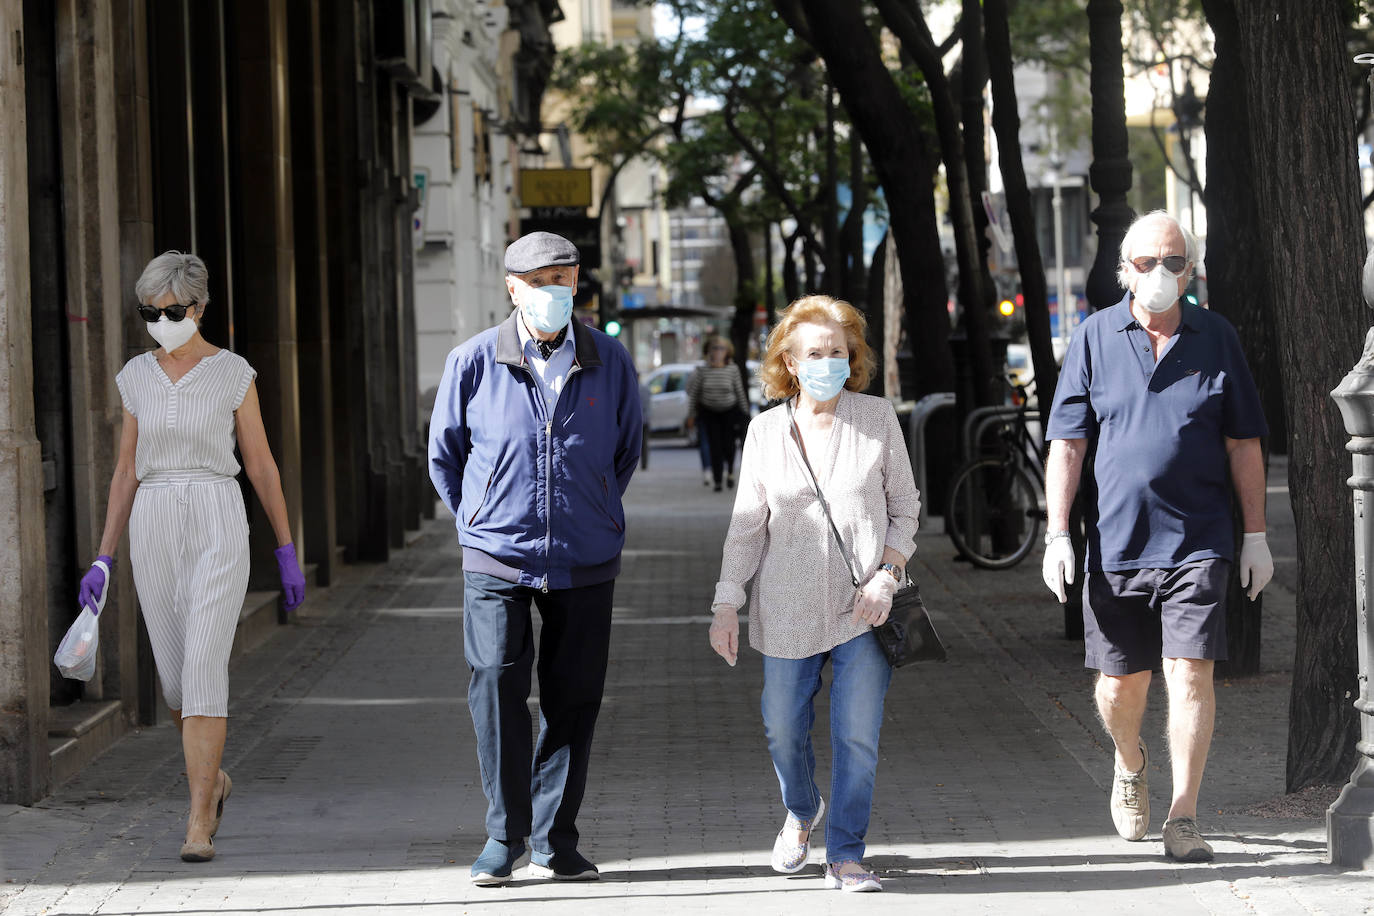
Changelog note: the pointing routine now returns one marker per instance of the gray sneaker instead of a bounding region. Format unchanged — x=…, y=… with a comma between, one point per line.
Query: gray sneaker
x=1131, y=799
x=1183, y=841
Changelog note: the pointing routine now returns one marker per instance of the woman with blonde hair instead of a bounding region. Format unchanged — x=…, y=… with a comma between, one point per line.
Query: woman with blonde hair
x=803, y=608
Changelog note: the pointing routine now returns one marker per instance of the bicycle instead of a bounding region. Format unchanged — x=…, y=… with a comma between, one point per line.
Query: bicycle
x=997, y=498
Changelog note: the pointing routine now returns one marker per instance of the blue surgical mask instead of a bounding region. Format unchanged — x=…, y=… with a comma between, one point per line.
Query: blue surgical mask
x=547, y=308
x=823, y=378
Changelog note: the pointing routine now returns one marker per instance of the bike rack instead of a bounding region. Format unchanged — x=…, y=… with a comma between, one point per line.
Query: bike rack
x=1032, y=416
x=916, y=438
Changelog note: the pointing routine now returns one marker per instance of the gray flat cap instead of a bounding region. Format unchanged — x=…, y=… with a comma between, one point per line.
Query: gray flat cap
x=540, y=249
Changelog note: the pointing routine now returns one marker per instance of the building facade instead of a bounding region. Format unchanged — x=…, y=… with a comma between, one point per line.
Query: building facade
x=277, y=140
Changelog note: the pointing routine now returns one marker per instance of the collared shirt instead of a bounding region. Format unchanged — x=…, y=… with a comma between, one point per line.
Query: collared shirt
x=550, y=373
x=1160, y=427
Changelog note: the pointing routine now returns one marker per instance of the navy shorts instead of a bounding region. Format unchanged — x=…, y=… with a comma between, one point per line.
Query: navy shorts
x=1135, y=617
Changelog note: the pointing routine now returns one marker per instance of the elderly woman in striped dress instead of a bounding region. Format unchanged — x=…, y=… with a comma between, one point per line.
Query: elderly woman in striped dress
x=804, y=611
x=186, y=404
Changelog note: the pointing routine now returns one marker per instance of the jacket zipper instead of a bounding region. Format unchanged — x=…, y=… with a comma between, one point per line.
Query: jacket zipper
x=548, y=467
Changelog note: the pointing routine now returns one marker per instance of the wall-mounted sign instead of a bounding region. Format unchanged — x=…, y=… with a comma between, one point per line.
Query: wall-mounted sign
x=555, y=187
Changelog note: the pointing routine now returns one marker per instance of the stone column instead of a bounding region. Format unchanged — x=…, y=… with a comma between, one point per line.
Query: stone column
x=264, y=285
x=23, y=581
x=1350, y=820
x=312, y=242
x=95, y=339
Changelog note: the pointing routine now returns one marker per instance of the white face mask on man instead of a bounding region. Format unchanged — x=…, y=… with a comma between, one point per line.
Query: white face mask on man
x=1157, y=291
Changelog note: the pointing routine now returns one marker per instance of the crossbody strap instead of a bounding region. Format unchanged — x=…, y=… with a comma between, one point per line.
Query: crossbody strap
x=801, y=447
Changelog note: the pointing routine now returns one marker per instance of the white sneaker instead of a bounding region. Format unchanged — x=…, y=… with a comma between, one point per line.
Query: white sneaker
x=706, y=478
x=788, y=857
x=1183, y=842
x=1131, y=799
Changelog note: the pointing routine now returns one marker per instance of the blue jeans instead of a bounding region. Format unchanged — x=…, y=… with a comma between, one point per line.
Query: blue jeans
x=535, y=791
x=860, y=675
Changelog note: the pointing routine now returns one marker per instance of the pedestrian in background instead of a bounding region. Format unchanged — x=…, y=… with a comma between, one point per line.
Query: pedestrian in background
x=715, y=400
x=186, y=405
x=703, y=441
x=535, y=433
x=803, y=607
x=1160, y=387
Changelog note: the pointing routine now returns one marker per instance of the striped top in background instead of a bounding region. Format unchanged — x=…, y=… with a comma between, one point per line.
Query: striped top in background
x=717, y=389
x=188, y=425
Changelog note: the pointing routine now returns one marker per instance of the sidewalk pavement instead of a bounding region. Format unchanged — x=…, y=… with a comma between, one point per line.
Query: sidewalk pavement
x=356, y=787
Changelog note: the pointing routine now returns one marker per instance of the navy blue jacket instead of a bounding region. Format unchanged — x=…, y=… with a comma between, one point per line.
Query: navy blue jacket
x=536, y=497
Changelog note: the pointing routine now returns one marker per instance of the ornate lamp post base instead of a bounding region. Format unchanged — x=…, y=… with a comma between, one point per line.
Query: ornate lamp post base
x=1350, y=820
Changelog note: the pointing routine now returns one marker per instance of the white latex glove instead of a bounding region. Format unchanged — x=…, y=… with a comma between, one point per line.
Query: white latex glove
x=874, y=601
x=1057, y=567
x=1256, y=565
x=725, y=632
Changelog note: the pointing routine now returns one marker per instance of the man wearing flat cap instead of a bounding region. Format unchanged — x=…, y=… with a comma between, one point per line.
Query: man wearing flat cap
x=534, y=437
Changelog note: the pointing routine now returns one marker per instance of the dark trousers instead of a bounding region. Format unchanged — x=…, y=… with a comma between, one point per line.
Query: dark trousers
x=535, y=792
x=719, y=428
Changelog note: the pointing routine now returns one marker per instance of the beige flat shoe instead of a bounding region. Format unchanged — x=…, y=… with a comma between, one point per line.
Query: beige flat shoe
x=219, y=808
x=198, y=852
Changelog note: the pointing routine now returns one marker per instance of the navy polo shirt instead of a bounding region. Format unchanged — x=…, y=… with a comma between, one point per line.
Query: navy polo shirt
x=1163, y=477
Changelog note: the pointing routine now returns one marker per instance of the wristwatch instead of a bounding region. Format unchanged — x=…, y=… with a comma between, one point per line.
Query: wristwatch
x=1052, y=536
x=893, y=569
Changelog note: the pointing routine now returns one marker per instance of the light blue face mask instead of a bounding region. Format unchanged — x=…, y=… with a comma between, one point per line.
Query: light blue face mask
x=547, y=308
x=823, y=378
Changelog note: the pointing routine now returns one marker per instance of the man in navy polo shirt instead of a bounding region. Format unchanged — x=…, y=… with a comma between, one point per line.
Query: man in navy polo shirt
x=1161, y=388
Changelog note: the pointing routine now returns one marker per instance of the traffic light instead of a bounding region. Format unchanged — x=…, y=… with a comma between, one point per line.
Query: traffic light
x=1006, y=307
x=612, y=328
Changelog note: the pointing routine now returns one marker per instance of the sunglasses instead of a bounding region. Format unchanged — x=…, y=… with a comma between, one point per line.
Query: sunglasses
x=176, y=312
x=1175, y=264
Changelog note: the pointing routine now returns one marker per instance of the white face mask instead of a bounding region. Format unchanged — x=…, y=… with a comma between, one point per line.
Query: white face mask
x=1157, y=291
x=171, y=334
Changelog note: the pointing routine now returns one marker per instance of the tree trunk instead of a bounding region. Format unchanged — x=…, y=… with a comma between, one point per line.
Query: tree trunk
x=910, y=26
x=1307, y=195
x=742, y=325
x=1006, y=123
x=903, y=163
x=1238, y=281
x=1110, y=173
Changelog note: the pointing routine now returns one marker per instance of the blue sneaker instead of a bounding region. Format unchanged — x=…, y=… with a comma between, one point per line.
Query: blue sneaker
x=562, y=866
x=497, y=861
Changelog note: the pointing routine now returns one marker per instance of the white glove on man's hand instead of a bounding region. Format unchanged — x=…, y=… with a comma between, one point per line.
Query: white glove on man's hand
x=1256, y=564
x=874, y=601
x=1057, y=567
x=725, y=631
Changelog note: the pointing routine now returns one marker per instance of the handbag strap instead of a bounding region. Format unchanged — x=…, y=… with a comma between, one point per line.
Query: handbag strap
x=801, y=447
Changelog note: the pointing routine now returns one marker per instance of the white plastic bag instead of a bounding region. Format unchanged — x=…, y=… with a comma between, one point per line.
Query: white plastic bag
x=75, y=656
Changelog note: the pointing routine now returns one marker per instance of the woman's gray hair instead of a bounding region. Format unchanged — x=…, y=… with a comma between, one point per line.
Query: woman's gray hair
x=183, y=275
x=1192, y=247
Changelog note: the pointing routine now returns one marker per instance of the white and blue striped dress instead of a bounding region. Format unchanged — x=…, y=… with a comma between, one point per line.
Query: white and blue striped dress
x=188, y=532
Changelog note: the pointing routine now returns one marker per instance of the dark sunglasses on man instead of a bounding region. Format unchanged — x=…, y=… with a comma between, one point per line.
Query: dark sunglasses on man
x=1175, y=264
x=175, y=312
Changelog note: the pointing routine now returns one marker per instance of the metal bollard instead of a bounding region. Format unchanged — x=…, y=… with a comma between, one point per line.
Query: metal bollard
x=1350, y=819
x=916, y=440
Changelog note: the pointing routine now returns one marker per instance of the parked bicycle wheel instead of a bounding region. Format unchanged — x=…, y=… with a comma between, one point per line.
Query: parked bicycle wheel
x=994, y=513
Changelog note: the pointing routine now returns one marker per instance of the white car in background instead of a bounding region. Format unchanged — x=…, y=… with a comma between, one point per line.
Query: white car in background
x=665, y=391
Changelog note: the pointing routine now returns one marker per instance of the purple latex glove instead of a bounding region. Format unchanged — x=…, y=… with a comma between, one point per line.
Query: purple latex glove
x=94, y=583
x=292, y=579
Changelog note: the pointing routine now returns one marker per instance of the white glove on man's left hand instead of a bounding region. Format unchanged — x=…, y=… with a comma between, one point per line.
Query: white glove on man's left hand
x=874, y=601
x=1256, y=565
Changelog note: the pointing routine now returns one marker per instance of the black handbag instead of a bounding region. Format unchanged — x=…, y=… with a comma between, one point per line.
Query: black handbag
x=908, y=635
